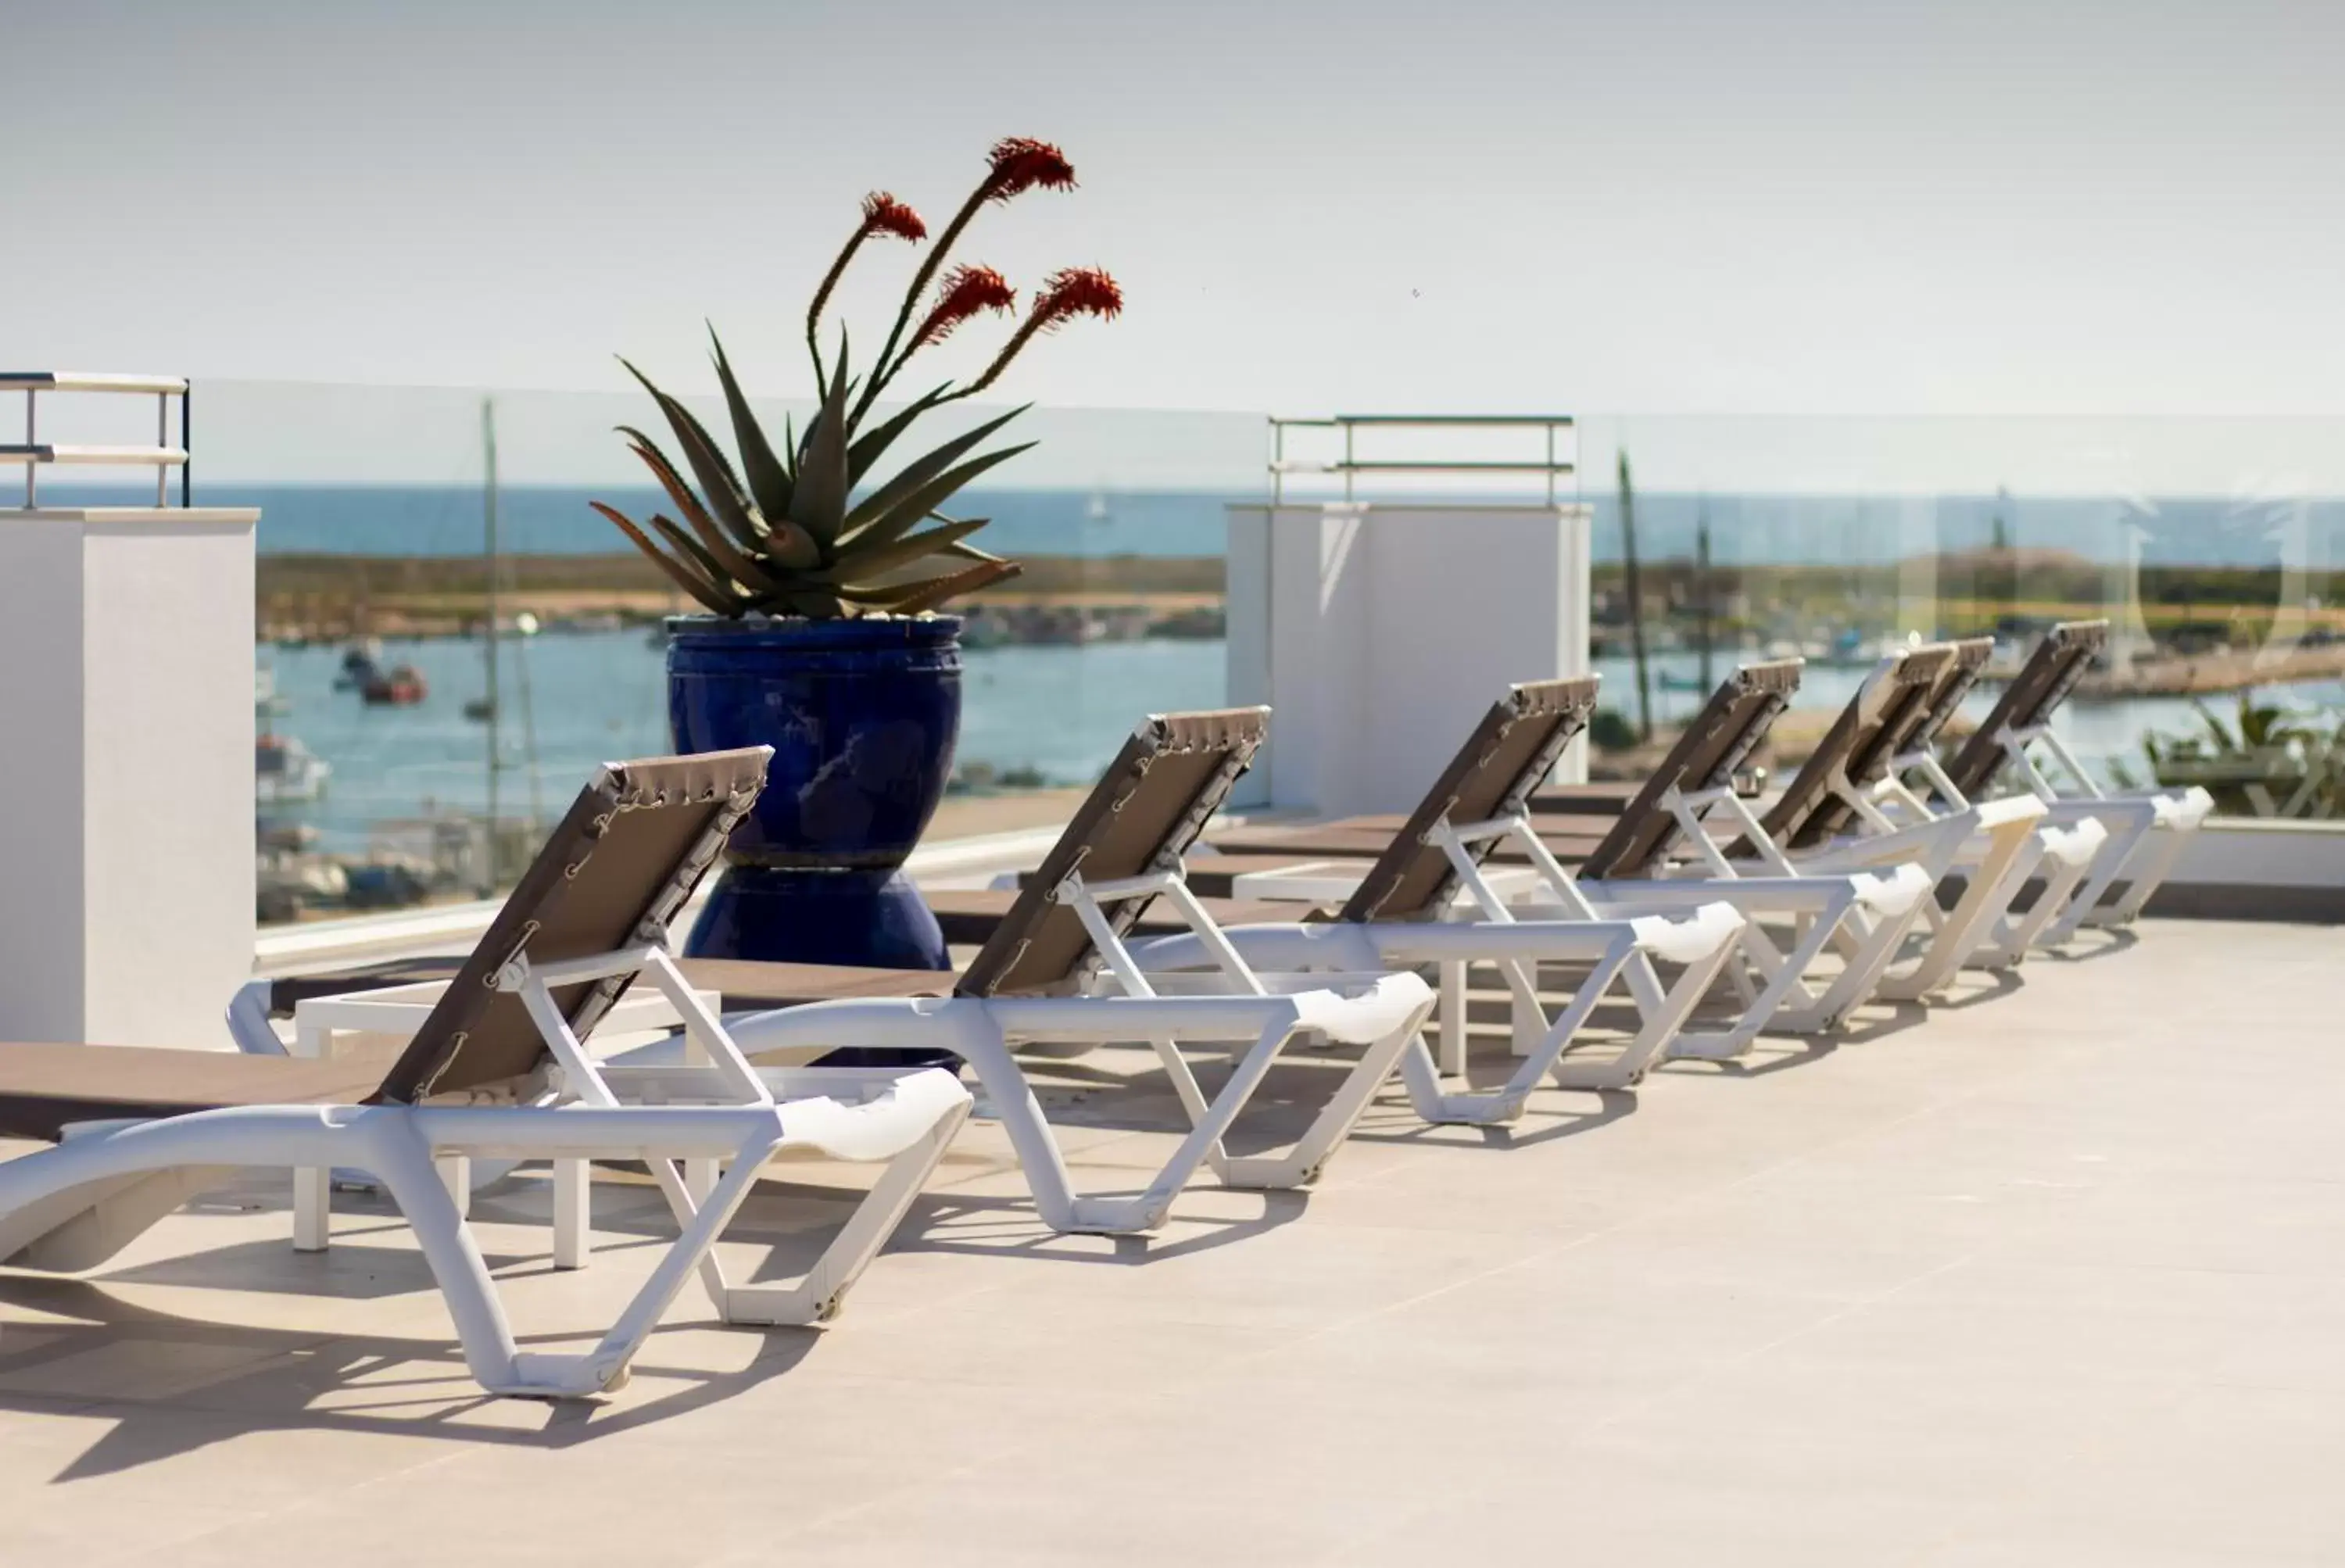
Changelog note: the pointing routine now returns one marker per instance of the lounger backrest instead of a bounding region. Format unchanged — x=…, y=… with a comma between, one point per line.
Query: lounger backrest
x=1509, y=754
x=1859, y=745
x=1141, y=817
x=1729, y=726
x=2043, y=683
x=611, y=875
x=1946, y=698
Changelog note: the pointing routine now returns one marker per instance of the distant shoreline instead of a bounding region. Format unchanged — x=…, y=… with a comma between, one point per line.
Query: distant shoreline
x=320, y=598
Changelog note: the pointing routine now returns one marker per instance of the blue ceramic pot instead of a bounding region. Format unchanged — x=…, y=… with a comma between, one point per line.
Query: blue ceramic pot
x=862, y=716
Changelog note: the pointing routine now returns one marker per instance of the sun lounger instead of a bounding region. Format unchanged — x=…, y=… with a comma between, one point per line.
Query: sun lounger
x=1802, y=833
x=1663, y=852
x=1033, y=986
x=1628, y=872
x=1996, y=845
x=2145, y=830
x=2062, y=853
x=500, y=1067
x=1057, y=970
x=1401, y=913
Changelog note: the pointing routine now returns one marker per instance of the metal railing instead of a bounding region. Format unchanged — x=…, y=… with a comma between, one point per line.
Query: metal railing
x=1551, y=466
x=163, y=457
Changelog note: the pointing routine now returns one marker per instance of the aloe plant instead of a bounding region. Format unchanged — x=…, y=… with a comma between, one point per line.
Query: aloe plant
x=806, y=528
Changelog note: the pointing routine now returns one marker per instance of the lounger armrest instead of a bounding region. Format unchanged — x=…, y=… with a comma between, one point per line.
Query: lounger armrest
x=1291, y=946
x=903, y=1023
x=2076, y=843
x=2184, y=811
x=1746, y=895
x=1891, y=890
x=1360, y=1010
x=2010, y=809
x=1690, y=941
x=877, y=1128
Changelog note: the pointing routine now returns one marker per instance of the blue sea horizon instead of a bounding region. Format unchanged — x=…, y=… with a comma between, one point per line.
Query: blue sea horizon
x=1745, y=529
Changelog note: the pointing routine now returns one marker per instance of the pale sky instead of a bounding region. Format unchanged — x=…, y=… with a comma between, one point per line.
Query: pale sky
x=1981, y=207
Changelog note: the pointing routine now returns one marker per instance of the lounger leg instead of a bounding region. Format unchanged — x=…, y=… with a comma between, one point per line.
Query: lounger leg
x=1785, y=973
x=313, y=1216
x=248, y=1020
x=456, y=1175
x=573, y=1213
x=1301, y=1164
x=699, y=1174
x=1147, y=1211
x=2151, y=864
x=2022, y=932
x=816, y=1297
x=2013, y=848
x=1020, y=1114
x=398, y=1156
x=1192, y=1095
x=313, y=1186
x=1859, y=977
x=1663, y=1024
x=1526, y=1018
x=2129, y=822
x=1505, y=1104
x=1452, y=1017
x=605, y=1366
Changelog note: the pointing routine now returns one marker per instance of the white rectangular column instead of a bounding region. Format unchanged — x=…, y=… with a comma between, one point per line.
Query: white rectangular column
x=1387, y=630
x=127, y=877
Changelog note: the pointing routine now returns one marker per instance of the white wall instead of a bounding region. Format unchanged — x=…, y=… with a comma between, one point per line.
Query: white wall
x=1378, y=634
x=126, y=694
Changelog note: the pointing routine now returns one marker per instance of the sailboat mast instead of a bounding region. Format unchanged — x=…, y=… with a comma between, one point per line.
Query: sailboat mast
x=1636, y=591
x=489, y=535
x=1701, y=589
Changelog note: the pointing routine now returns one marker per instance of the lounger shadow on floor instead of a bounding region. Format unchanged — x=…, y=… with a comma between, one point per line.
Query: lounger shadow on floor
x=274, y=1380
x=1550, y=1115
x=1976, y=987
x=981, y=1226
x=2093, y=941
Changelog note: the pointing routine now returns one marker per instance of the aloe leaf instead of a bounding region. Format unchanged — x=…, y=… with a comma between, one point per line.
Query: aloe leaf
x=930, y=592
x=907, y=512
x=872, y=443
x=819, y=500
x=740, y=566
x=691, y=549
x=873, y=560
x=962, y=548
x=918, y=472
x=710, y=595
x=645, y=448
x=769, y=482
x=726, y=499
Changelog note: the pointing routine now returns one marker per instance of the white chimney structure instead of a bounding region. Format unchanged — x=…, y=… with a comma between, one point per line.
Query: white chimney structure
x=126, y=872
x=1379, y=630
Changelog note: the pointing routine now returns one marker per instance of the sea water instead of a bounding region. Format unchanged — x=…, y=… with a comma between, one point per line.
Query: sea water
x=1043, y=714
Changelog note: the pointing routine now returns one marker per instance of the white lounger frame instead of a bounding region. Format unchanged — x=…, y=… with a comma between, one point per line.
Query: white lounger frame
x=1864, y=914
x=2145, y=830
x=1488, y=931
x=59, y=1205
x=2063, y=851
x=1382, y=1012
x=1875, y=909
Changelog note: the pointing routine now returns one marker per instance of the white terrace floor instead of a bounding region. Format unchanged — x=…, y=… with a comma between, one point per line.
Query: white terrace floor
x=2058, y=1278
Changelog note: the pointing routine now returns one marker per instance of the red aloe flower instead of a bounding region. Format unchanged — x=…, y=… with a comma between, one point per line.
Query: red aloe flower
x=883, y=214
x=1076, y=291
x=1020, y=163
x=965, y=291
x=1070, y=292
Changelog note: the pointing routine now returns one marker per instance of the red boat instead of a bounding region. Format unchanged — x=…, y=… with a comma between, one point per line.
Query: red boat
x=400, y=687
